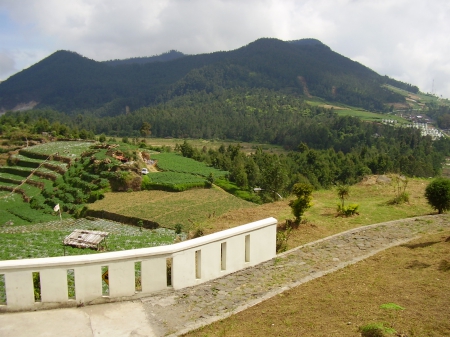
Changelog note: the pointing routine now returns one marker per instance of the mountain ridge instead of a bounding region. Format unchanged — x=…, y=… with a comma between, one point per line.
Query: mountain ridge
x=72, y=83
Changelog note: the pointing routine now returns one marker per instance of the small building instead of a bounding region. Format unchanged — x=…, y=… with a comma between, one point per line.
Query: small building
x=82, y=238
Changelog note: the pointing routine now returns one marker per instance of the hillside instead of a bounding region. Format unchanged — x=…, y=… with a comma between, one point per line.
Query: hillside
x=69, y=82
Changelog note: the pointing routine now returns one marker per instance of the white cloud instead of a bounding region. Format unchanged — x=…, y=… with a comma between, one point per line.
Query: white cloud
x=405, y=39
x=7, y=64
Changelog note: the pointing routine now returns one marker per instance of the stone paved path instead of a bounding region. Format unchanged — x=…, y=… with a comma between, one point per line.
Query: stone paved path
x=177, y=312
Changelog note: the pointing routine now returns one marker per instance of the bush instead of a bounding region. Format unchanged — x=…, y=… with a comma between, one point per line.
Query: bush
x=282, y=239
x=178, y=228
x=375, y=330
x=303, y=202
x=437, y=194
x=349, y=210
x=399, y=199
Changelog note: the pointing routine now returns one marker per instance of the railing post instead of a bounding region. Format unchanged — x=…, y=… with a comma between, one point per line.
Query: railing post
x=88, y=283
x=19, y=290
x=54, y=285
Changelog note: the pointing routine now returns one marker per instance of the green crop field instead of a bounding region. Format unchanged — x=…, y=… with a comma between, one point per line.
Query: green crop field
x=45, y=239
x=30, y=162
x=64, y=148
x=177, y=163
x=15, y=212
x=172, y=181
x=174, y=178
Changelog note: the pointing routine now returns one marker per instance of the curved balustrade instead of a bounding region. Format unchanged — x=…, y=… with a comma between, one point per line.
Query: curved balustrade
x=80, y=280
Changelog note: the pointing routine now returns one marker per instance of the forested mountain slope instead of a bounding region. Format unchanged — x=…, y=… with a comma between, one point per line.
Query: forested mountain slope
x=68, y=82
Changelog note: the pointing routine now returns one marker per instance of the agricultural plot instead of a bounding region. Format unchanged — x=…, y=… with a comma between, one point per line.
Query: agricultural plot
x=45, y=240
x=33, y=163
x=7, y=177
x=168, y=209
x=172, y=181
x=25, y=171
x=64, y=148
x=15, y=212
x=177, y=163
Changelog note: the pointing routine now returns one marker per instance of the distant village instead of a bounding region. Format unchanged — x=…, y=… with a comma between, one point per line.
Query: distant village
x=419, y=122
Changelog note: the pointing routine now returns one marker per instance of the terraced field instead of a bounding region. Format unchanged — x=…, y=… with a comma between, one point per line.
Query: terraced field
x=168, y=209
x=28, y=175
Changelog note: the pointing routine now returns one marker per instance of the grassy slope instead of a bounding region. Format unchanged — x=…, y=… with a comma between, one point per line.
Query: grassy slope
x=169, y=208
x=346, y=110
x=338, y=304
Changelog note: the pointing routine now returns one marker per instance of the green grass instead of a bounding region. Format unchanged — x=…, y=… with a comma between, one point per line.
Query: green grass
x=174, y=178
x=14, y=210
x=170, y=208
x=19, y=179
x=345, y=110
x=45, y=240
x=31, y=162
x=233, y=189
x=177, y=163
x=172, y=181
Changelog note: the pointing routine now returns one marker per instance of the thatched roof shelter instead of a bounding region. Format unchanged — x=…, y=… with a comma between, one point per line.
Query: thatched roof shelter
x=82, y=238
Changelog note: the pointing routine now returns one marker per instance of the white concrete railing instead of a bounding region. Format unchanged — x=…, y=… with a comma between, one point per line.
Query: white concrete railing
x=192, y=262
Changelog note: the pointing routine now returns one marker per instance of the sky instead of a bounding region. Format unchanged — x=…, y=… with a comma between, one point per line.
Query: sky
x=408, y=40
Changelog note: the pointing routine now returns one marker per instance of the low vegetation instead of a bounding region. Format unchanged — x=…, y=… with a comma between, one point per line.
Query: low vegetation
x=170, y=209
x=399, y=292
x=45, y=239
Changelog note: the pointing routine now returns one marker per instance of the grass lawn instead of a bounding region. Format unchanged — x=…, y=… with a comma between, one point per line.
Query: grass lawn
x=414, y=276
x=321, y=219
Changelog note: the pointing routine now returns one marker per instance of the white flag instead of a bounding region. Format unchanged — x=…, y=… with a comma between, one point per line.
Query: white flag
x=56, y=208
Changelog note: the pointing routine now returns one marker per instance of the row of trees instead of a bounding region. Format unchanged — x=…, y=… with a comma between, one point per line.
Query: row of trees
x=320, y=168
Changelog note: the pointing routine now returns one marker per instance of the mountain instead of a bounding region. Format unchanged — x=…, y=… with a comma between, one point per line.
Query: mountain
x=69, y=82
x=169, y=56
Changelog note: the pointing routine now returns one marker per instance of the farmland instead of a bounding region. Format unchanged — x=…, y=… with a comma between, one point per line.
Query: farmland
x=29, y=233
x=64, y=148
x=14, y=211
x=45, y=239
x=176, y=163
x=172, y=181
x=168, y=209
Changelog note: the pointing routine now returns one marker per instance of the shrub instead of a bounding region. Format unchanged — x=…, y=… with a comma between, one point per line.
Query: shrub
x=437, y=194
x=349, y=210
x=343, y=192
x=178, y=228
x=399, y=199
x=375, y=330
x=303, y=202
x=282, y=239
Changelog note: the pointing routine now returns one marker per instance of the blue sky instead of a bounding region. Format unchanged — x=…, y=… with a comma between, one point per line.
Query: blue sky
x=404, y=39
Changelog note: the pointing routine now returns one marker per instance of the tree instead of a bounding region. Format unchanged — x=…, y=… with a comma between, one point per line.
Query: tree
x=145, y=129
x=303, y=202
x=343, y=192
x=438, y=194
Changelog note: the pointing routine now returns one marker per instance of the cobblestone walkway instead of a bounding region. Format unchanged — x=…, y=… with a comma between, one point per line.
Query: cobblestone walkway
x=176, y=312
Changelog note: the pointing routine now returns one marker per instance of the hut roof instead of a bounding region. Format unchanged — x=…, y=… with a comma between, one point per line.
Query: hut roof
x=82, y=238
